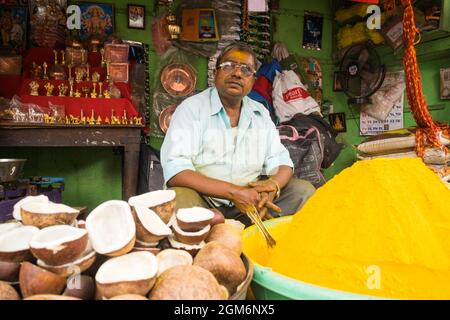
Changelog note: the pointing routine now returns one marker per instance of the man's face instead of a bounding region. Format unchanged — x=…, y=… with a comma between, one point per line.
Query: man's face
x=234, y=82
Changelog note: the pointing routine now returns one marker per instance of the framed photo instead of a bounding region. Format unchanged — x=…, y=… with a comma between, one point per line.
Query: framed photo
x=337, y=121
x=96, y=18
x=136, y=16
x=13, y=25
x=118, y=72
x=337, y=83
x=312, y=31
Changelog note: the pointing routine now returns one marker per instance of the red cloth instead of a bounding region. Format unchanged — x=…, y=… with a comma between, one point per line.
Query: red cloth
x=9, y=85
x=263, y=86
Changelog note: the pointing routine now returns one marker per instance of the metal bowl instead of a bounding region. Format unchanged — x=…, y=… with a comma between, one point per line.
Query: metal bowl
x=11, y=169
x=165, y=116
x=178, y=79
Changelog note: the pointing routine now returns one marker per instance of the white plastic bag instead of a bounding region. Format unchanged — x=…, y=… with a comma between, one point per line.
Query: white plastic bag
x=291, y=97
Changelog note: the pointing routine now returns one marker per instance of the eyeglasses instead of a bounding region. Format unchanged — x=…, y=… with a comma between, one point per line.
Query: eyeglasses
x=229, y=66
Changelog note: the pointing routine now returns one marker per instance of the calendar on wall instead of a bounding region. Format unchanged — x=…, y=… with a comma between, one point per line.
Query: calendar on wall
x=371, y=126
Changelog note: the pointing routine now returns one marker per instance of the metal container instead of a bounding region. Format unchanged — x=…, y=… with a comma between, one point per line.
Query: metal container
x=11, y=169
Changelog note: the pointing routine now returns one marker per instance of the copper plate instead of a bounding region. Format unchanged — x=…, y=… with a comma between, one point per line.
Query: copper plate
x=165, y=116
x=178, y=79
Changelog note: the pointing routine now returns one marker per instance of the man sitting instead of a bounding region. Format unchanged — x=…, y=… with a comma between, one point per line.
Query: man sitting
x=220, y=143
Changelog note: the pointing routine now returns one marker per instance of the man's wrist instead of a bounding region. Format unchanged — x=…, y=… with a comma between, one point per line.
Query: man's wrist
x=277, y=186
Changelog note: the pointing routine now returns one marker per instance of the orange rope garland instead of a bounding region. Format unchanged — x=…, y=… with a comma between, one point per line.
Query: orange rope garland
x=428, y=132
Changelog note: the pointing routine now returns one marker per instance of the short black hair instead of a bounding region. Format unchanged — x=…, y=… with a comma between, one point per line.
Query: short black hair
x=241, y=46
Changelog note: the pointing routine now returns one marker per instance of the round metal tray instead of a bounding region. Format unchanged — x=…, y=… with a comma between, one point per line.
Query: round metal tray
x=178, y=79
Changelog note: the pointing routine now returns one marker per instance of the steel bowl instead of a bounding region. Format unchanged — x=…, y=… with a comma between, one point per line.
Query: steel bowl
x=11, y=169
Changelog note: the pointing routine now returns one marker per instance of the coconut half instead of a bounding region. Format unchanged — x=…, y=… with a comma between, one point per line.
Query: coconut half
x=190, y=238
x=161, y=201
x=111, y=228
x=69, y=269
x=50, y=297
x=170, y=258
x=192, y=249
x=15, y=244
x=58, y=245
x=5, y=227
x=7, y=292
x=35, y=280
x=16, y=211
x=133, y=273
x=45, y=214
x=194, y=219
x=143, y=244
x=149, y=226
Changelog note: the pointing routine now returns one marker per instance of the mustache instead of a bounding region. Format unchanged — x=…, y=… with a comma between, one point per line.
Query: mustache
x=235, y=81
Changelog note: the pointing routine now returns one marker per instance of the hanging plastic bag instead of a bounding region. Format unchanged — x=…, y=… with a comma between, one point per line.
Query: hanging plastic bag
x=290, y=96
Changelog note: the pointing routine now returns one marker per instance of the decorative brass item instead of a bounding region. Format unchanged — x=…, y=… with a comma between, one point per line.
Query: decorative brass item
x=44, y=75
x=34, y=87
x=49, y=119
x=107, y=121
x=113, y=91
x=62, y=89
x=106, y=94
x=49, y=87
x=172, y=27
x=100, y=94
x=138, y=121
x=85, y=90
x=178, y=79
x=71, y=87
x=55, y=52
x=77, y=94
x=67, y=120
x=102, y=52
x=36, y=71
x=95, y=77
x=69, y=66
x=99, y=120
x=94, y=93
x=79, y=74
x=82, y=118
x=114, y=119
x=91, y=120
x=63, y=61
x=87, y=71
x=124, y=119
x=83, y=53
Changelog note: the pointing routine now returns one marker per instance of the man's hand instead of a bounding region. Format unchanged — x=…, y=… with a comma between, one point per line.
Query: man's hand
x=263, y=185
x=266, y=202
x=243, y=197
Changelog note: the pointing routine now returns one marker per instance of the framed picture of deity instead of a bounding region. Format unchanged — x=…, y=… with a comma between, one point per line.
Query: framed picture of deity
x=136, y=16
x=96, y=19
x=13, y=25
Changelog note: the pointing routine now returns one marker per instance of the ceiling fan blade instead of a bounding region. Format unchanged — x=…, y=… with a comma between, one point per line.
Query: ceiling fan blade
x=363, y=57
x=368, y=76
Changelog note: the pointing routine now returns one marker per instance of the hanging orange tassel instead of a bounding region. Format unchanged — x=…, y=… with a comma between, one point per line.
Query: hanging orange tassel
x=428, y=132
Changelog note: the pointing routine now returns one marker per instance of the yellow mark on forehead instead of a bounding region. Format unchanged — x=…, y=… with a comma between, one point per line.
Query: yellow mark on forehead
x=238, y=56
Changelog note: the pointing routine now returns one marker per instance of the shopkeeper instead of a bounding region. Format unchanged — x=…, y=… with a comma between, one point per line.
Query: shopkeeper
x=220, y=143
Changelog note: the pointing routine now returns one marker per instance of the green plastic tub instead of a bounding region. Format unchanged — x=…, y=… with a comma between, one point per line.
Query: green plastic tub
x=270, y=285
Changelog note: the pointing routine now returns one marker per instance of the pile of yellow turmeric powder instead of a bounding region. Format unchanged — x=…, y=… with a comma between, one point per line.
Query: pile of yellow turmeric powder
x=380, y=228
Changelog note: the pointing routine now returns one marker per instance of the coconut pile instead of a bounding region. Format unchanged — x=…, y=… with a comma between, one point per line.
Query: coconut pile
x=140, y=249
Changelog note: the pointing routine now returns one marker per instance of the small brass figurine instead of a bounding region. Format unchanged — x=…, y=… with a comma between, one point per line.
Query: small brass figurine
x=79, y=74
x=83, y=52
x=107, y=94
x=124, y=119
x=85, y=90
x=82, y=117
x=34, y=86
x=77, y=94
x=102, y=52
x=55, y=52
x=99, y=120
x=69, y=66
x=114, y=119
x=95, y=77
x=138, y=121
x=62, y=89
x=94, y=93
x=63, y=61
x=36, y=71
x=107, y=121
x=44, y=75
x=49, y=87
x=87, y=71
x=49, y=119
x=91, y=120
x=67, y=120
x=74, y=120
x=71, y=87
x=100, y=94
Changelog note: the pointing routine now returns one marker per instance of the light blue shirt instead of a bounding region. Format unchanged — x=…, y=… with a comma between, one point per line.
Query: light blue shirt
x=200, y=138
